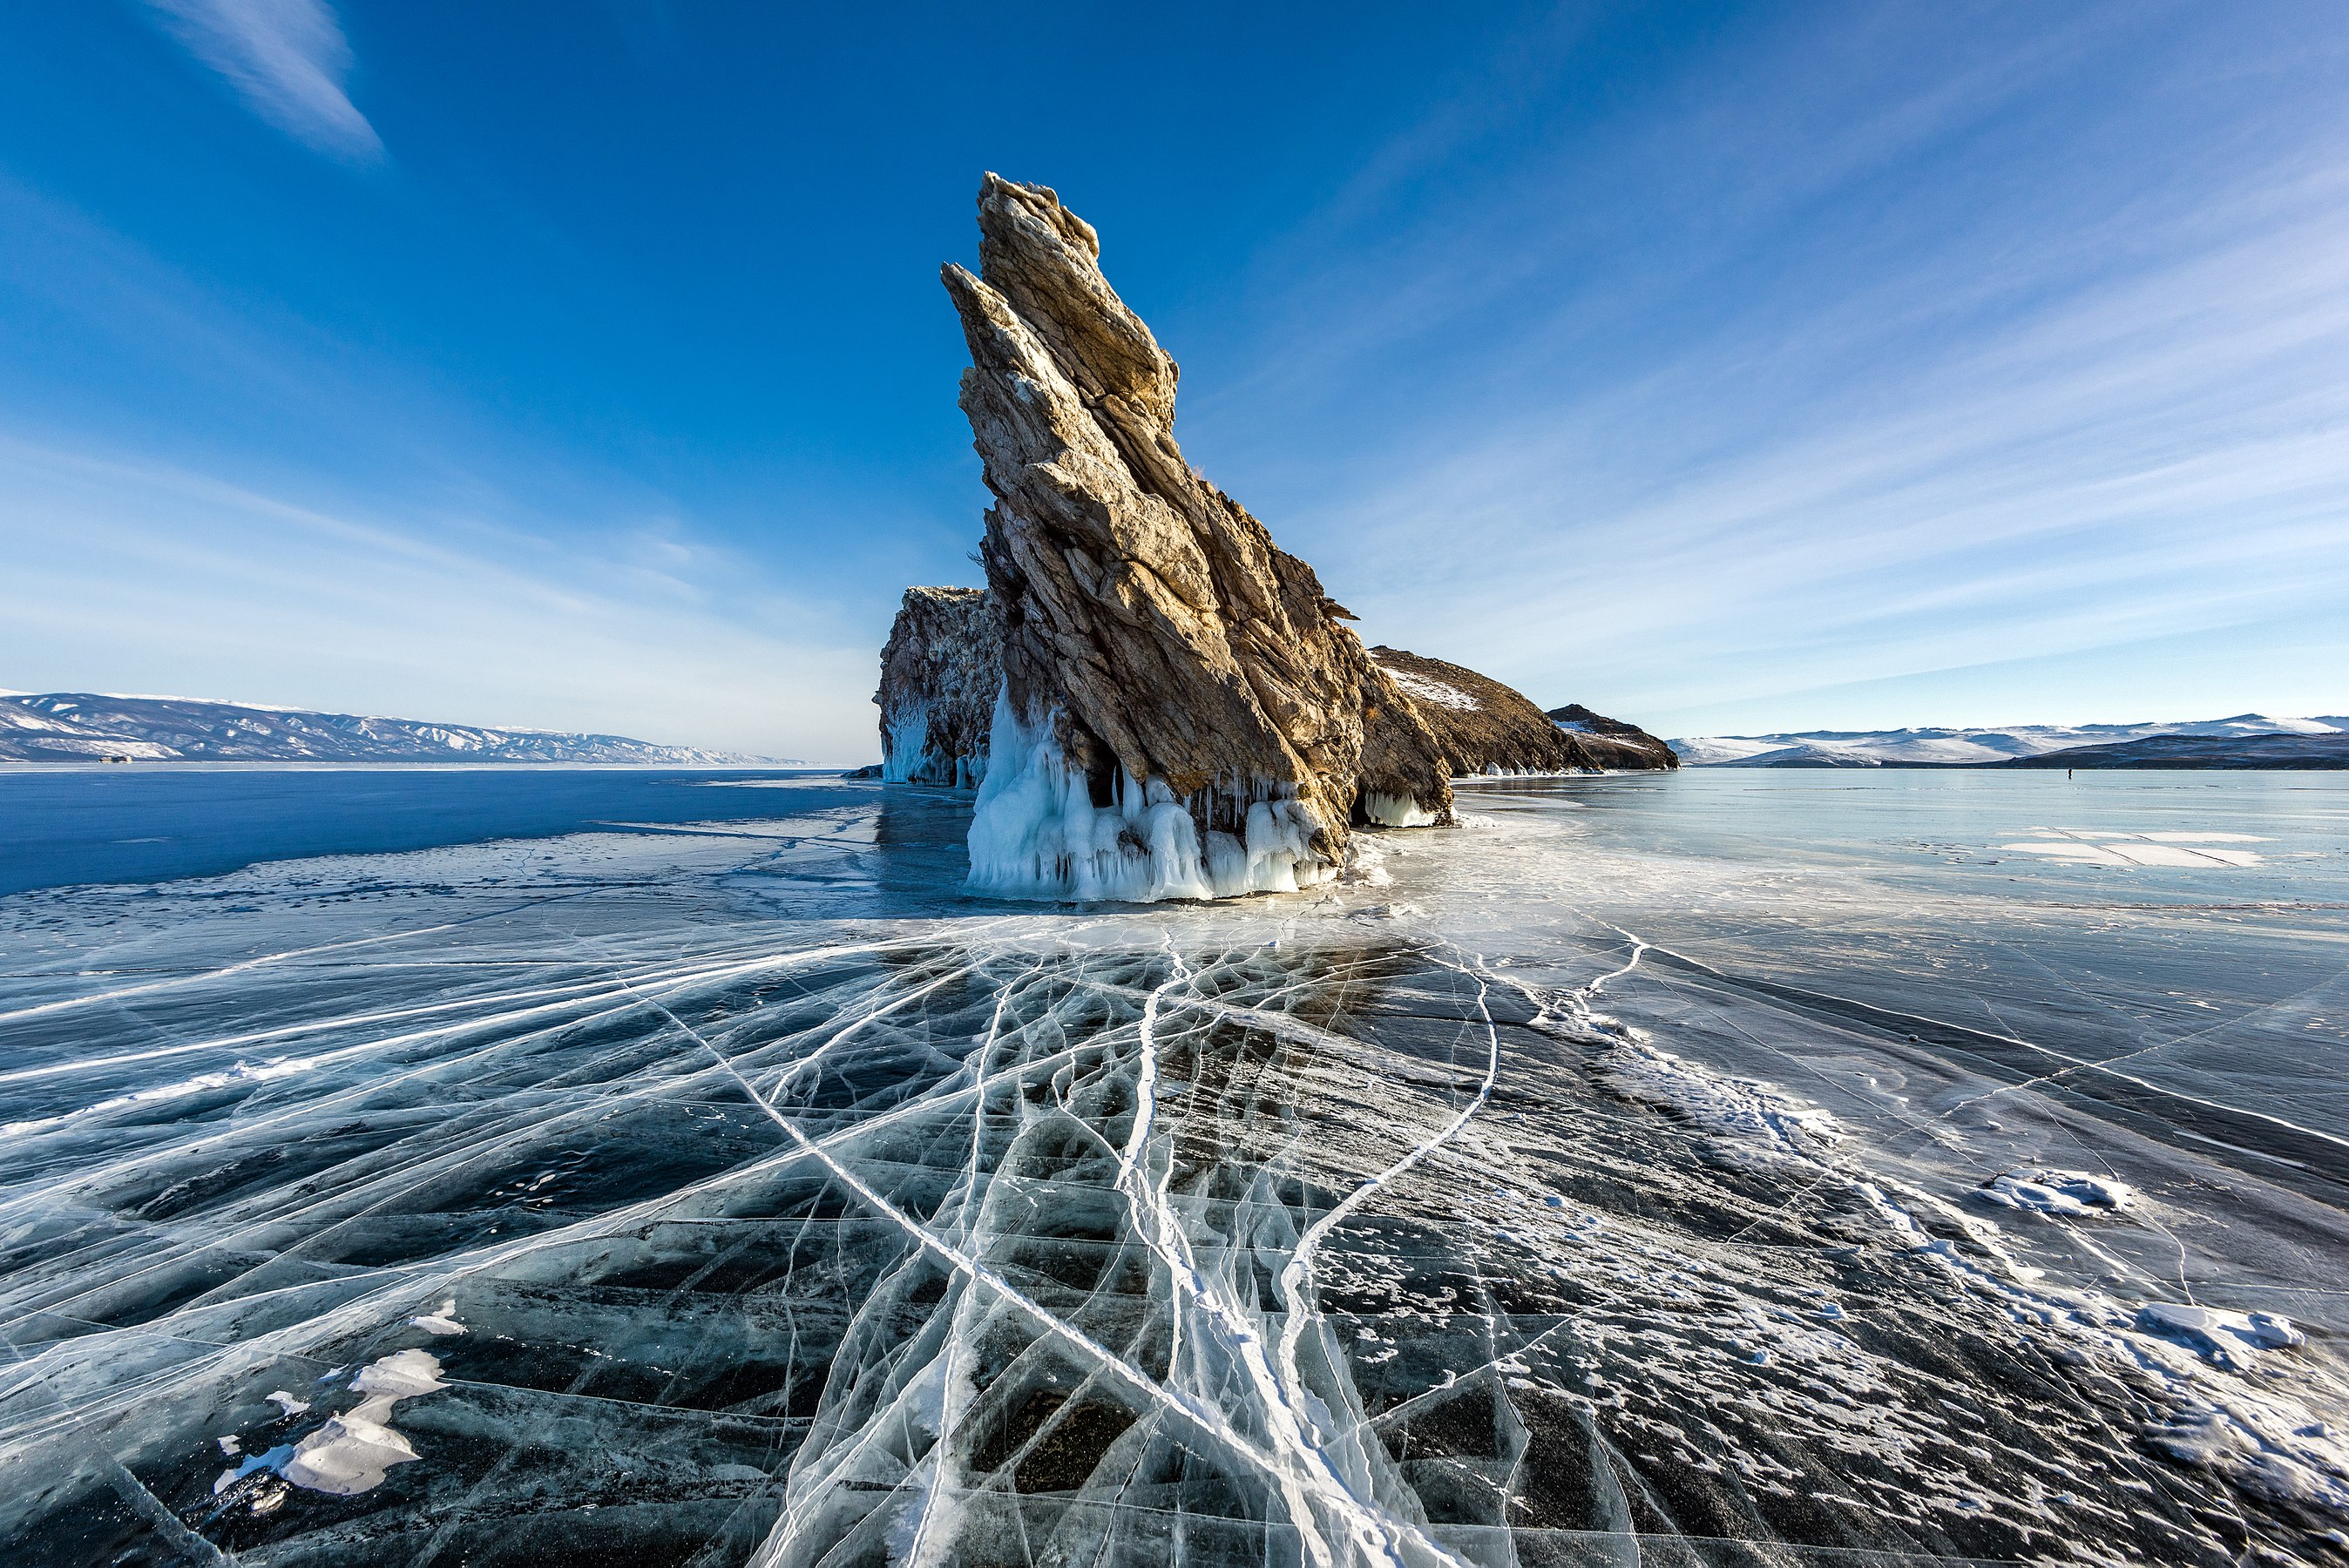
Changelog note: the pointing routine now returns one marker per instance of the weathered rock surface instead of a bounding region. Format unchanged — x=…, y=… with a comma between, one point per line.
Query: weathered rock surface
x=939, y=675
x=1484, y=727
x=1182, y=713
x=1612, y=742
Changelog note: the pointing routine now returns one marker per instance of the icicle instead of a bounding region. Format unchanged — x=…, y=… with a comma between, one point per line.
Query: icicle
x=1036, y=832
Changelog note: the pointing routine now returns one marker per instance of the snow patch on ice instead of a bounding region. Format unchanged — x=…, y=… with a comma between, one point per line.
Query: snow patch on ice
x=2260, y=1443
x=2196, y=1361
x=441, y=1322
x=2223, y=1338
x=2050, y=1191
x=349, y=1453
x=2091, y=848
x=1748, y=1122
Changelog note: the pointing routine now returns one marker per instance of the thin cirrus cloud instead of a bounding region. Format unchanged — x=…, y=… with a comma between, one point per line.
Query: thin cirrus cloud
x=427, y=571
x=645, y=632
x=288, y=59
x=1970, y=389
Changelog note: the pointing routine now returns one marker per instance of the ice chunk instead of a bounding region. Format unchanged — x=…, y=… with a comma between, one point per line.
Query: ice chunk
x=2050, y=1191
x=908, y=730
x=2225, y=1339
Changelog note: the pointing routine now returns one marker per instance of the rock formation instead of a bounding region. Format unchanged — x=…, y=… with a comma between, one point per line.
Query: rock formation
x=939, y=675
x=1610, y=742
x=1182, y=714
x=1484, y=727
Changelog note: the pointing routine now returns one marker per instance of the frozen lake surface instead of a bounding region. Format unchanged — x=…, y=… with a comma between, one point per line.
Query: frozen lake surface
x=1733, y=1168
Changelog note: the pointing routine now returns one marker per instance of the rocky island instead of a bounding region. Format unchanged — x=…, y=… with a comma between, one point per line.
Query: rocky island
x=939, y=674
x=1485, y=727
x=1154, y=700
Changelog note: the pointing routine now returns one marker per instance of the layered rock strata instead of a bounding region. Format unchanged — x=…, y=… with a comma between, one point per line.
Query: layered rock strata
x=1182, y=713
x=1485, y=727
x=939, y=675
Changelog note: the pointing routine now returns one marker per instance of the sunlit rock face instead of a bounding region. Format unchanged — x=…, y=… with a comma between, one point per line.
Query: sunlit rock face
x=1182, y=714
x=1485, y=727
x=939, y=674
x=1610, y=742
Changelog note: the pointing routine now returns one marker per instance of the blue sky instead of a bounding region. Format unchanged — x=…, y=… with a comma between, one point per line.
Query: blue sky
x=1727, y=367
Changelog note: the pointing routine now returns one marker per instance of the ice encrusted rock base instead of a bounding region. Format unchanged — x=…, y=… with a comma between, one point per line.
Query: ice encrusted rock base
x=1037, y=832
x=939, y=675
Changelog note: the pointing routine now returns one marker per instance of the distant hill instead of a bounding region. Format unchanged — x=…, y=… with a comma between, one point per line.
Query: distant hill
x=2277, y=750
x=89, y=727
x=1972, y=748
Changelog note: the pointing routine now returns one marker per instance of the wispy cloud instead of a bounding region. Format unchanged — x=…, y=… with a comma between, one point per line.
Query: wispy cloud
x=131, y=575
x=387, y=546
x=1952, y=365
x=290, y=61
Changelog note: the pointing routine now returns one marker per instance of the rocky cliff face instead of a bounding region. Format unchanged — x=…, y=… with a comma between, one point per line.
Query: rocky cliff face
x=939, y=675
x=1182, y=714
x=1610, y=742
x=1484, y=727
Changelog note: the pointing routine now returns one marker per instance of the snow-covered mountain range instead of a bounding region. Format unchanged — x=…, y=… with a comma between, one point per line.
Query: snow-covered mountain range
x=1898, y=748
x=89, y=726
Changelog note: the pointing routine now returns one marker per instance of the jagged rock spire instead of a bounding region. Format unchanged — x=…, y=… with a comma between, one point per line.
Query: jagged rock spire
x=1150, y=628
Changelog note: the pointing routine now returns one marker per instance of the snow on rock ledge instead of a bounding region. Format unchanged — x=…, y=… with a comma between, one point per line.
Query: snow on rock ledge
x=1485, y=727
x=1182, y=712
x=939, y=675
x=1610, y=742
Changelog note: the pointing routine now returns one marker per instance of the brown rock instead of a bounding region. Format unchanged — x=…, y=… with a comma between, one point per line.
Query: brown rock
x=1613, y=742
x=1484, y=727
x=939, y=676
x=1185, y=714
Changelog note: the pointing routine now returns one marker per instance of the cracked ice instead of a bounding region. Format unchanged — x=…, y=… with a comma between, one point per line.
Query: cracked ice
x=709, y=1200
